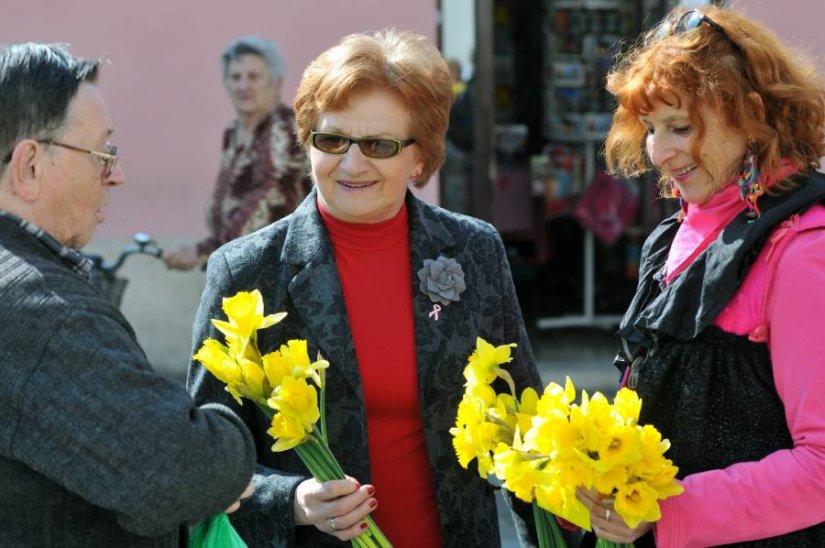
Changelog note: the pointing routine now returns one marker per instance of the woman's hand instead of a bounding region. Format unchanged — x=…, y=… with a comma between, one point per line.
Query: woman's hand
x=607, y=524
x=335, y=507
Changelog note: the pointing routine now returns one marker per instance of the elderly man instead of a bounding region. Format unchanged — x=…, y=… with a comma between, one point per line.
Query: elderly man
x=96, y=449
x=263, y=174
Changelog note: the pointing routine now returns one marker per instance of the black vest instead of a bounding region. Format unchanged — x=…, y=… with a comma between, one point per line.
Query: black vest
x=711, y=393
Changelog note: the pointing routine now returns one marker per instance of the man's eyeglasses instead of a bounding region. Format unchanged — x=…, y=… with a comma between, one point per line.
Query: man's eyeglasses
x=688, y=21
x=108, y=158
x=371, y=147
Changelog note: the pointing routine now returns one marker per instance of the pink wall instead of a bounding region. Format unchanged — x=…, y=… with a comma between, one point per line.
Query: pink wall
x=798, y=23
x=164, y=84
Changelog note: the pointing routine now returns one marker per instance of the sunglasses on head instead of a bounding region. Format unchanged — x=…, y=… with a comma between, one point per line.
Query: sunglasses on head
x=688, y=21
x=371, y=147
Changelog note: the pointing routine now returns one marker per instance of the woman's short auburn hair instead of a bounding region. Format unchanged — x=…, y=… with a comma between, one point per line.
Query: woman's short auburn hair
x=773, y=94
x=404, y=63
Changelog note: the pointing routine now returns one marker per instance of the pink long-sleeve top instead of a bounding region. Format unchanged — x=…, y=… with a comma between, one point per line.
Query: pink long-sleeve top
x=781, y=302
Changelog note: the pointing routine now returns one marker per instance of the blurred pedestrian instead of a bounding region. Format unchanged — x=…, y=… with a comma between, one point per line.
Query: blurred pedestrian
x=263, y=174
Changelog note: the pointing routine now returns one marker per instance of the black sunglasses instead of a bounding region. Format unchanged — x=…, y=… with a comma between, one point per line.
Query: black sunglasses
x=688, y=21
x=371, y=147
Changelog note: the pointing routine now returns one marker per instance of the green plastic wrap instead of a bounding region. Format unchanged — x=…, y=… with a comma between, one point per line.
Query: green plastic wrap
x=215, y=532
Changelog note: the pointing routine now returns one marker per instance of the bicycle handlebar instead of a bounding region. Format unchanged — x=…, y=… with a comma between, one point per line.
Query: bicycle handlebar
x=144, y=244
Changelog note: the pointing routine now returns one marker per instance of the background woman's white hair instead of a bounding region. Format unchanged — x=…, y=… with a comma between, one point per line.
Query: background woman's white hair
x=254, y=45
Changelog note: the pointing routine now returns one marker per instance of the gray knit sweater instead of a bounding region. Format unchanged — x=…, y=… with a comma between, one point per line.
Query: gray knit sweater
x=96, y=449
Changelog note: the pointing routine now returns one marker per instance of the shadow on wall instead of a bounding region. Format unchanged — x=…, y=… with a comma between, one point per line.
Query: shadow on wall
x=159, y=303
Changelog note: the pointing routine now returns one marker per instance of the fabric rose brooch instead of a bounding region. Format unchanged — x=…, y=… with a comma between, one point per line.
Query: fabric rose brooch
x=442, y=280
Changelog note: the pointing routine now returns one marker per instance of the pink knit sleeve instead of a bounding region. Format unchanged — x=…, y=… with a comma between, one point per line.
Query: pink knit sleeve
x=786, y=490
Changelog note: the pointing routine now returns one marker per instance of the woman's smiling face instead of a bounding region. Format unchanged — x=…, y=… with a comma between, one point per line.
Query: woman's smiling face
x=351, y=186
x=670, y=138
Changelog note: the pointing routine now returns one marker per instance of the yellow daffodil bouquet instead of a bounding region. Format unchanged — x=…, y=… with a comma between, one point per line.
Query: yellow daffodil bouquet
x=283, y=384
x=542, y=448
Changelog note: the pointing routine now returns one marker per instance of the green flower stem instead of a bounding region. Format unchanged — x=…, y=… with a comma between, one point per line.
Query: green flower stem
x=316, y=455
x=547, y=529
x=360, y=542
x=555, y=528
x=323, y=466
x=323, y=408
x=311, y=462
x=376, y=534
x=324, y=452
x=365, y=540
x=602, y=543
x=540, y=532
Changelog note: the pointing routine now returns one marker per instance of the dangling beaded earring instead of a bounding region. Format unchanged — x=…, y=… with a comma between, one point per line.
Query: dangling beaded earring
x=749, y=188
x=682, y=203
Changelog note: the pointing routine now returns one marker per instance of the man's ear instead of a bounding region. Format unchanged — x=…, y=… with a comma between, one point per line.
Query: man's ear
x=26, y=169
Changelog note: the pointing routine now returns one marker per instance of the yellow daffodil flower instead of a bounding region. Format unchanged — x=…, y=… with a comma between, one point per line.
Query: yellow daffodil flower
x=527, y=409
x=463, y=444
x=628, y=405
x=637, y=502
x=216, y=358
x=484, y=364
x=297, y=400
x=244, y=312
x=560, y=498
x=544, y=447
x=619, y=447
x=610, y=479
x=254, y=386
x=287, y=431
x=277, y=384
x=275, y=367
x=556, y=400
x=518, y=473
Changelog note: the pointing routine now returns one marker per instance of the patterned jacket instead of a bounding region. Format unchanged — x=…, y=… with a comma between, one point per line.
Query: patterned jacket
x=258, y=183
x=292, y=263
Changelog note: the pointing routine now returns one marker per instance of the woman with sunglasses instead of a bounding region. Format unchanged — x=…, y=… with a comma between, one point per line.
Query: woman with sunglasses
x=723, y=340
x=392, y=291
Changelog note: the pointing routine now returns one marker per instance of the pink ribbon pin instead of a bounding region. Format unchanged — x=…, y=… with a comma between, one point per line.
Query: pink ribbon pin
x=435, y=311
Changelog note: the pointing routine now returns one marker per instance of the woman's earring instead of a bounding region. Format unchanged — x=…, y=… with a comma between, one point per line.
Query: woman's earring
x=682, y=203
x=749, y=188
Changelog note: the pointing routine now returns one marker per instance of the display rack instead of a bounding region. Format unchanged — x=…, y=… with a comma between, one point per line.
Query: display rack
x=588, y=316
x=581, y=35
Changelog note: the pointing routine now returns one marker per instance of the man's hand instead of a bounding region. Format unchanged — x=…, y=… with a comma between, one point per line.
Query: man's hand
x=245, y=495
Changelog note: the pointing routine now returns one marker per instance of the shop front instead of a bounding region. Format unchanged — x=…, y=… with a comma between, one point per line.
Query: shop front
x=525, y=150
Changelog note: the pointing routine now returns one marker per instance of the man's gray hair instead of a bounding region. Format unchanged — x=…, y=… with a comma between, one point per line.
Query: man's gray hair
x=266, y=49
x=37, y=83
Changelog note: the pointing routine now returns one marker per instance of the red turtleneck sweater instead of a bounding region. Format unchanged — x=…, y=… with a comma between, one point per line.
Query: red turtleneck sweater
x=374, y=267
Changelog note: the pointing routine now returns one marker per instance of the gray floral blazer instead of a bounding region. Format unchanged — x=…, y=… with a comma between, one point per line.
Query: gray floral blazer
x=292, y=263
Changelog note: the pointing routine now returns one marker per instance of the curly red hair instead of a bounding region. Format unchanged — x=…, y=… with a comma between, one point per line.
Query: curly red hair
x=745, y=74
